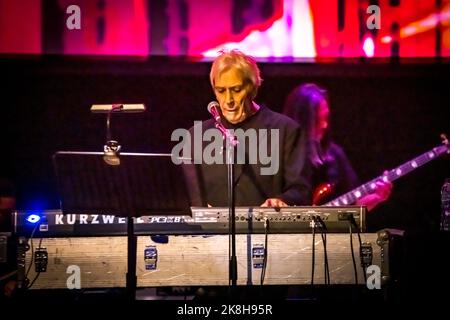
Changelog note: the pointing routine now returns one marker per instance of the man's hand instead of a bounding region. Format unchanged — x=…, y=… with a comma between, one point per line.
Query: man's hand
x=274, y=202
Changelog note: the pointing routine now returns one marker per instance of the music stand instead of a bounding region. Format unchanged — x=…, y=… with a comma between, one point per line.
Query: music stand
x=142, y=184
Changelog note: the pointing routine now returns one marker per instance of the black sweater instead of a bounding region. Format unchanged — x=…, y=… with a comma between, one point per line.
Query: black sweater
x=207, y=183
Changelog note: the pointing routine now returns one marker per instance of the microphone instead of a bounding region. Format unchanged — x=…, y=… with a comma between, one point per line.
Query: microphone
x=213, y=108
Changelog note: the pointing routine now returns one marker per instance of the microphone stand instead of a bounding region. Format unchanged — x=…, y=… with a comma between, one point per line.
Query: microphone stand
x=231, y=143
x=111, y=152
x=112, y=147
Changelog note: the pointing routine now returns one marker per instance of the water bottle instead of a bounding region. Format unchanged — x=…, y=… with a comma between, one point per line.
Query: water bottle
x=445, y=204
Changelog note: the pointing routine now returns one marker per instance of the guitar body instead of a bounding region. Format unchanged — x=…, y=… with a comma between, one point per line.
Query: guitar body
x=321, y=193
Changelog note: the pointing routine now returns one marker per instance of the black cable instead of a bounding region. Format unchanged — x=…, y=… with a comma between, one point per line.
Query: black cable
x=363, y=265
x=323, y=234
x=325, y=258
x=32, y=253
x=264, y=266
x=313, y=258
x=353, y=255
x=37, y=275
x=35, y=278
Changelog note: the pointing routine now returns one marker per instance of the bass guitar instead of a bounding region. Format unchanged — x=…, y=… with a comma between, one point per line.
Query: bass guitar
x=349, y=198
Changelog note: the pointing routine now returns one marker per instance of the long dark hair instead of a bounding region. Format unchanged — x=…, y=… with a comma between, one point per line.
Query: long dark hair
x=301, y=105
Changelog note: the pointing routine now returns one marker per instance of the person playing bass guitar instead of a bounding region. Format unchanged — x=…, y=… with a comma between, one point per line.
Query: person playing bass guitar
x=332, y=173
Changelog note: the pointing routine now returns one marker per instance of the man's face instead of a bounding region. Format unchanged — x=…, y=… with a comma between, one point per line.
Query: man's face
x=233, y=95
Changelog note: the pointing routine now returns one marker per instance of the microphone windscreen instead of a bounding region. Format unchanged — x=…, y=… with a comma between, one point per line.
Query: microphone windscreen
x=211, y=105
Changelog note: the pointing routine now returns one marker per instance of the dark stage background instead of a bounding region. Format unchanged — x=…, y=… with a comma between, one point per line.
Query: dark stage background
x=383, y=114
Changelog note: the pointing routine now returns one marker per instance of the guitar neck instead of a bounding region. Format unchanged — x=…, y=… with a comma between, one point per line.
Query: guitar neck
x=352, y=196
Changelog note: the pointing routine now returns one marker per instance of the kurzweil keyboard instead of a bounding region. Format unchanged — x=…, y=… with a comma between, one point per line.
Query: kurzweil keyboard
x=53, y=223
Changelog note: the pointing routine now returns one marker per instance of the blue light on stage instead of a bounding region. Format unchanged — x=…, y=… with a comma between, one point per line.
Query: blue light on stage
x=33, y=218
